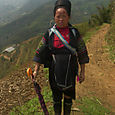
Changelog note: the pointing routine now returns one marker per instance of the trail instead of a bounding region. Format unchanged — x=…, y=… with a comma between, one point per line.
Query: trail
x=100, y=72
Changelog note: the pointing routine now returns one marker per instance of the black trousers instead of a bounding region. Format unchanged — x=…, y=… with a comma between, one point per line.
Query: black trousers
x=57, y=98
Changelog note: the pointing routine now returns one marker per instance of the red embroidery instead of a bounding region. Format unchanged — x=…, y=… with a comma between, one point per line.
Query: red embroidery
x=37, y=52
x=65, y=33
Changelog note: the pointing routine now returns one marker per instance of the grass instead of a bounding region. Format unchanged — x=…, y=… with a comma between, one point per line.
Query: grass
x=90, y=33
x=33, y=106
x=86, y=30
x=87, y=105
x=110, y=38
x=92, y=106
x=46, y=71
x=24, y=54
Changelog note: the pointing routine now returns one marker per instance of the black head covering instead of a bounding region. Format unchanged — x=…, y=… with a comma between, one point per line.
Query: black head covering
x=63, y=4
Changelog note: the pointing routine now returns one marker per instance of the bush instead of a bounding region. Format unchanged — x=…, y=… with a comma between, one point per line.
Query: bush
x=104, y=15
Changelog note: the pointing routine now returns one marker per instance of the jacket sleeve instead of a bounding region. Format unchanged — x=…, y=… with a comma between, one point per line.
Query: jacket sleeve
x=41, y=47
x=81, y=50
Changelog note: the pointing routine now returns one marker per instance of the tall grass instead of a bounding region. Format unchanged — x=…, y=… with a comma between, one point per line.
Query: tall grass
x=33, y=106
x=86, y=30
x=110, y=38
x=92, y=106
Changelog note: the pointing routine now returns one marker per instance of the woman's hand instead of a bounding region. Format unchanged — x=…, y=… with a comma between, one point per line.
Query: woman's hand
x=36, y=69
x=82, y=73
x=81, y=77
x=35, y=73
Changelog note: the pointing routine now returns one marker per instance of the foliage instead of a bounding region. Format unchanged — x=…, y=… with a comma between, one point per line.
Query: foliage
x=86, y=30
x=92, y=106
x=33, y=106
x=22, y=55
x=104, y=15
x=110, y=38
x=46, y=71
x=26, y=51
x=83, y=28
x=38, y=21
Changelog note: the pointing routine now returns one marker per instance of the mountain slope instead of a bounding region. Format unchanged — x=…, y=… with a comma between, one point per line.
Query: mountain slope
x=10, y=11
x=26, y=27
x=38, y=21
x=22, y=55
x=17, y=89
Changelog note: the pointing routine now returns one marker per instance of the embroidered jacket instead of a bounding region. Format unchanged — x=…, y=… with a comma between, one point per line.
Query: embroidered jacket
x=52, y=42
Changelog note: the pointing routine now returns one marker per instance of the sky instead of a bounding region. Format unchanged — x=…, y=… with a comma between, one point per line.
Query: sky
x=12, y=2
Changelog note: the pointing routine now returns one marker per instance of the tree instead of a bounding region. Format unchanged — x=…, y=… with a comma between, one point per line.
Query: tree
x=104, y=15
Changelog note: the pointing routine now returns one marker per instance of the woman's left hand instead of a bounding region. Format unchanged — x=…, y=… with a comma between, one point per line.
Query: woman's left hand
x=81, y=77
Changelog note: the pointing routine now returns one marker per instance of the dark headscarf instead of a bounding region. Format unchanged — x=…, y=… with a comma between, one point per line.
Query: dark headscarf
x=63, y=4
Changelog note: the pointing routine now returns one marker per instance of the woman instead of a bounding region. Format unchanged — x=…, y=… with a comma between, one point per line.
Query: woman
x=63, y=68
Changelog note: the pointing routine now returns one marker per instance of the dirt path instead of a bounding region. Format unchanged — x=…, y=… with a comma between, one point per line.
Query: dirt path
x=100, y=72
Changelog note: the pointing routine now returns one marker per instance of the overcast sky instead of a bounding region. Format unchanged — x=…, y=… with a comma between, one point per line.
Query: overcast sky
x=12, y=2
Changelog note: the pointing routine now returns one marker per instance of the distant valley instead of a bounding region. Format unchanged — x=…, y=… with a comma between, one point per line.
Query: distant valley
x=37, y=21
x=11, y=10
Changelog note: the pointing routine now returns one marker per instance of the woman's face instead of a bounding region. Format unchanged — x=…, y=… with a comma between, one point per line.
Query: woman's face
x=61, y=18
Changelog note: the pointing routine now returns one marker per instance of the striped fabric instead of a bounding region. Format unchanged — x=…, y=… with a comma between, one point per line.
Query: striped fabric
x=38, y=91
x=64, y=41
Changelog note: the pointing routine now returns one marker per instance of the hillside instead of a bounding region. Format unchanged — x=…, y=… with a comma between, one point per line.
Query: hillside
x=36, y=22
x=11, y=10
x=94, y=97
x=99, y=84
x=25, y=51
x=22, y=55
x=8, y=9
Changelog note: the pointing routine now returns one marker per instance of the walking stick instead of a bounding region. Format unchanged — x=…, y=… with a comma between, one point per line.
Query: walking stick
x=38, y=91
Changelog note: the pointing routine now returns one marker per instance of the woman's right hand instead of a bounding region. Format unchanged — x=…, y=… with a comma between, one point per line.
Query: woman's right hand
x=35, y=73
x=36, y=69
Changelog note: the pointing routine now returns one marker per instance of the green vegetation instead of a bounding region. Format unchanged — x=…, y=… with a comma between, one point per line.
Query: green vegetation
x=92, y=106
x=46, y=71
x=110, y=38
x=38, y=21
x=104, y=15
x=33, y=106
x=91, y=32
x=25, y=52
x=83, y=28
x=87, y=105
x=23, y=55
x=83, y=9
x=86, y=30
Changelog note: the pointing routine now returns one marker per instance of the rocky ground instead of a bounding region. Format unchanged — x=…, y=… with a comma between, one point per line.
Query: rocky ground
x=16, y=89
